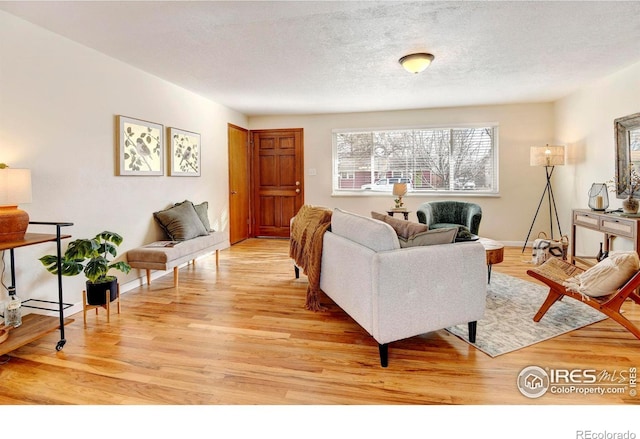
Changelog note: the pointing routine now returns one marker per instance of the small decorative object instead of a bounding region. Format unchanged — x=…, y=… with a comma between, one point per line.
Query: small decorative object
x=399, y=190
x=13, y=310
x=140, y=147
x=184, y=153
x=630, y=181
x=630, y=205
x=598, y=198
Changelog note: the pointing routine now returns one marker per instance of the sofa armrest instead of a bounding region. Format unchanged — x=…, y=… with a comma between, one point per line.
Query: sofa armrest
x=422, y=289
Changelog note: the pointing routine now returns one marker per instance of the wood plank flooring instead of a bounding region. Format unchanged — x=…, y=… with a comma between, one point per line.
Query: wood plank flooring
x=240, y=334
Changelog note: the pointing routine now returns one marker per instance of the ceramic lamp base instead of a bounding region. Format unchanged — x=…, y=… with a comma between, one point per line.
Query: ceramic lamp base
x=13, y=223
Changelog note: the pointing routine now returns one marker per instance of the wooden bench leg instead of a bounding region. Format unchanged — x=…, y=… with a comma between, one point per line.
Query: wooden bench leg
x=175, y=276
x=217, y=257
x=148, y=277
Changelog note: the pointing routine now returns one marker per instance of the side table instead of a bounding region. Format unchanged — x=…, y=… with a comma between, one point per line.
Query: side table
x=495, y=253
x=404, y=212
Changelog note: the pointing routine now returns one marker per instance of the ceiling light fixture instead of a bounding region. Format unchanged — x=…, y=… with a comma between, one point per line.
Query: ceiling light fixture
x=416, y=62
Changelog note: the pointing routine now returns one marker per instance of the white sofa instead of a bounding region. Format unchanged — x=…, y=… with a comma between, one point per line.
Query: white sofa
x=396, y=293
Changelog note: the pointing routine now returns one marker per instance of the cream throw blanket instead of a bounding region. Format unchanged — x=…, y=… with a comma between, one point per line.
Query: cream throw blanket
x=305, y=247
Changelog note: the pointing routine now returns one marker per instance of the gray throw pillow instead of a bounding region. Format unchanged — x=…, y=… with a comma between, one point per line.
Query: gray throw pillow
x=181, y=222
x=202, y=210
x=431, y=237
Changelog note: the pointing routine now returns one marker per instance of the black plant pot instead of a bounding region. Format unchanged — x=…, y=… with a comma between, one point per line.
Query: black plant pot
x=96, y=293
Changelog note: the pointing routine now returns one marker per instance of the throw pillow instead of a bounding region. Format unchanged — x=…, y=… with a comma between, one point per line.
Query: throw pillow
x=430, y=237
x=403, y=228
x=202, y=210
x=606, y=276
x=181, y=222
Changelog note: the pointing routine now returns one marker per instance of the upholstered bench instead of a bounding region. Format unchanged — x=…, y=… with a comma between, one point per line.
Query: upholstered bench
x=165, y=255
x=190, y=236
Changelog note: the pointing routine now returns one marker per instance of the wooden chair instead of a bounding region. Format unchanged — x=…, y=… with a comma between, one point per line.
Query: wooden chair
x=555, y=271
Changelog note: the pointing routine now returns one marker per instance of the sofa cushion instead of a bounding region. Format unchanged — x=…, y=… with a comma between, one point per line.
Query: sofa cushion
x=430, y=237
x=374, y=234
x=403, y=228
x=606, y=276
x=181, y=222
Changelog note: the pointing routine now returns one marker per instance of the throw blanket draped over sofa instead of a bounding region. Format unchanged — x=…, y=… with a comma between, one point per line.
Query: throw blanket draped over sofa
x=305, y=247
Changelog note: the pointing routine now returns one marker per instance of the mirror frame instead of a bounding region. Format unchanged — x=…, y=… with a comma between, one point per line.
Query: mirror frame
x=622, y=126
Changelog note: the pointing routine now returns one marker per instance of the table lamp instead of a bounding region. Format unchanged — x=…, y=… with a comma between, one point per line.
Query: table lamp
x=399, y=190
x=15, y=188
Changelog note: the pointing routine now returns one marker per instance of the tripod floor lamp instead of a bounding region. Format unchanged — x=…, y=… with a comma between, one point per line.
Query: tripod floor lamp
x=549, y=157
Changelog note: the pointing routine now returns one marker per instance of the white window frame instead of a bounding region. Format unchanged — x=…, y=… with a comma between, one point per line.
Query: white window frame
x=356, y=191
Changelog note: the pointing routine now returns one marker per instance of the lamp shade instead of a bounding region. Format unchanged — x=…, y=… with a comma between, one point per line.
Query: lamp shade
x=547, y=155
x=15, y=188
x=399, y=189
x=416, y=62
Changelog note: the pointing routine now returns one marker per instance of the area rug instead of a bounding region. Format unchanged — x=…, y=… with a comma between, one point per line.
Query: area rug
x=508, y=322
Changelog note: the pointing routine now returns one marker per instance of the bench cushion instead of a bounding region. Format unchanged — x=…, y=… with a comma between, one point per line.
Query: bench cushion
x=154, y=256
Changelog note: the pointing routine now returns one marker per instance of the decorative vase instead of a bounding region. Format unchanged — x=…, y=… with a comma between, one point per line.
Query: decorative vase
x=630, y=205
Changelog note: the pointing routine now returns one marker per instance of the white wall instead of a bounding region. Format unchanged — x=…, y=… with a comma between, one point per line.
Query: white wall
x=506, y=217
x=584, y=122
x=58, y=102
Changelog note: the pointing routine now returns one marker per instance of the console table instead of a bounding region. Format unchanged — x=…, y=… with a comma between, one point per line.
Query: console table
x=610, y=224
x=36, y=325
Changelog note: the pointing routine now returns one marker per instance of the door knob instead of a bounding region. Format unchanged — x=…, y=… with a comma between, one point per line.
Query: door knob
x=297, y=191
x=297, y=183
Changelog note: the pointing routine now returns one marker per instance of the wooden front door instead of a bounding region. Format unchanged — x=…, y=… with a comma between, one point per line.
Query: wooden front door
x=278, y=186
x=239, y=184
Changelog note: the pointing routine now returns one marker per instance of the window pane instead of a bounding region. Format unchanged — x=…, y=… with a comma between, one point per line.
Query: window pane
x=446, y=159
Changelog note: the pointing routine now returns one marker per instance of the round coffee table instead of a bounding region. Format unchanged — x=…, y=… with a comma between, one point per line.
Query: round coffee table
x=495, y=253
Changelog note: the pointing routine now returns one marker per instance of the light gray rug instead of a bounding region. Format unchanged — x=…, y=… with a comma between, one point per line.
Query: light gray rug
x=508, y=322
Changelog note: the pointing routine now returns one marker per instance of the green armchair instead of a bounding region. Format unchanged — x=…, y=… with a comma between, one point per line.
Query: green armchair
x=439, y=214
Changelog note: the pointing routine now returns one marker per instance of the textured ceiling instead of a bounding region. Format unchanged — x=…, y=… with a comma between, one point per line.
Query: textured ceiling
x=306, y=57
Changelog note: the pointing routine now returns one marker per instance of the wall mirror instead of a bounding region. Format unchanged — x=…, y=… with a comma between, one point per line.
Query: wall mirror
x=627, y=137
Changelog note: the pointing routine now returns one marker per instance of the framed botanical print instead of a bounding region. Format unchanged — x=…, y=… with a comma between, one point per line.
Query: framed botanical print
x=140, y=147
x=184, y=153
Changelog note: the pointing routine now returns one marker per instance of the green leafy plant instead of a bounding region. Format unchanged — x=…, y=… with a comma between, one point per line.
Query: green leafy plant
x=89, y=256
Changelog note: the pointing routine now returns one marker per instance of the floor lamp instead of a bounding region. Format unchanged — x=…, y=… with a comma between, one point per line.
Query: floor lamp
x=549, y=157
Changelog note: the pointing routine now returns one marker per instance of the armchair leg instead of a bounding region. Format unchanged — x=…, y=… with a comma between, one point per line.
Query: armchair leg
x=473, y=326
x=384, y=354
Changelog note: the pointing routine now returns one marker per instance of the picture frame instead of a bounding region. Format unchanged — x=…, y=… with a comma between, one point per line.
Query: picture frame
x=184, y=153
x=140, y=147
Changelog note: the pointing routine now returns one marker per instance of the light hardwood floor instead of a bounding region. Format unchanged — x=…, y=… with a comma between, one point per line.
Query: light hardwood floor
x=240, y=334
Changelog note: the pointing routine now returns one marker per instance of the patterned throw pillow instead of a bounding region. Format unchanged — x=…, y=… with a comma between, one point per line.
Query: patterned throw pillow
x=606, y=276
x=430, y=237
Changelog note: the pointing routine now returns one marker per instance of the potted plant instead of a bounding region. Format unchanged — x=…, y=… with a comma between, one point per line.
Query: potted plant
x=91, y=257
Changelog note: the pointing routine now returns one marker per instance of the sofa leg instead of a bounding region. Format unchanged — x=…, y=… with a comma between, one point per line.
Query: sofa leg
x=473, y=326
x=384, y=354
x=296, y=269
